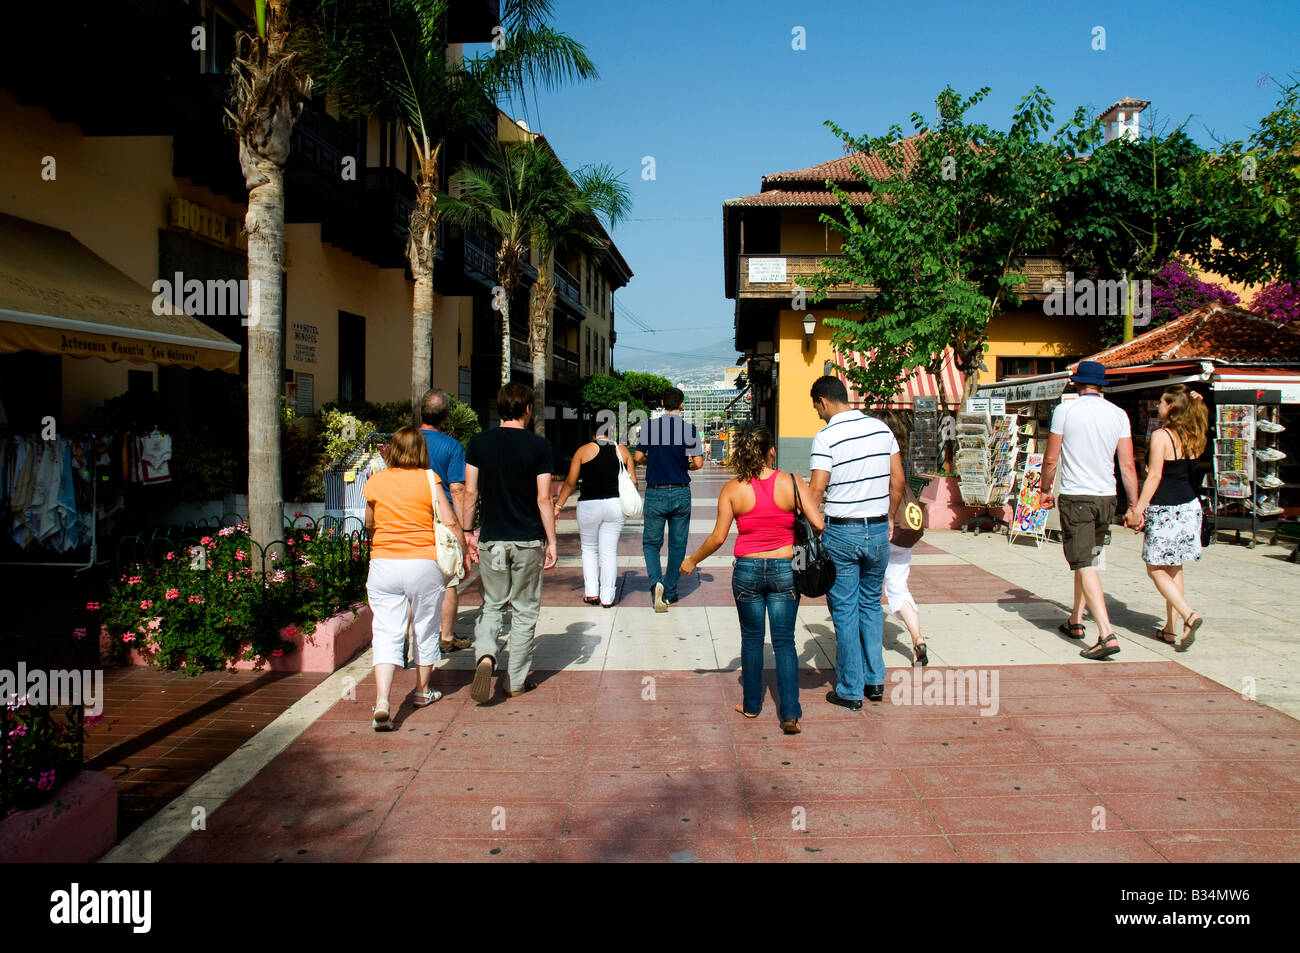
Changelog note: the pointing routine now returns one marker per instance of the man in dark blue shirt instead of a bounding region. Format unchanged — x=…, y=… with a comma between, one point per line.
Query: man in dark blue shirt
x=673, y=447
x=447, y=459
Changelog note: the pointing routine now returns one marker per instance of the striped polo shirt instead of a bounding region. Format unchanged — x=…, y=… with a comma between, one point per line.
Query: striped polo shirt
x=855, y=450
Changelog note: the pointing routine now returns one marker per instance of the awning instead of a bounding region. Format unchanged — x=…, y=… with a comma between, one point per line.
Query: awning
x=920, y=384
x=59, y=297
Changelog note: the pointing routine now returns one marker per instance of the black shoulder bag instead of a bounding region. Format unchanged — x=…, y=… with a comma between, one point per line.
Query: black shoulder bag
x=814, y=572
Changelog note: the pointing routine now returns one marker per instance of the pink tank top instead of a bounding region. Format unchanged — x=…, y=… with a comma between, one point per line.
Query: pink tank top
x=766, y=526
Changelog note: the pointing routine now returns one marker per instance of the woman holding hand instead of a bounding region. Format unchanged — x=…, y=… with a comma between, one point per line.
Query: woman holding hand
x=1168, y=506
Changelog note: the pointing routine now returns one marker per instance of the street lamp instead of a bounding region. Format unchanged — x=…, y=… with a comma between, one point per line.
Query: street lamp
x=809, y=328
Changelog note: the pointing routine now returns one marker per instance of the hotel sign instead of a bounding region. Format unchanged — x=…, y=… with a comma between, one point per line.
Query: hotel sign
x=194, y=219
x=766, y=271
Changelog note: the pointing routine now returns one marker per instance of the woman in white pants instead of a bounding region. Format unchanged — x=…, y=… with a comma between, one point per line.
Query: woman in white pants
x=404, y=569
x=600, y=514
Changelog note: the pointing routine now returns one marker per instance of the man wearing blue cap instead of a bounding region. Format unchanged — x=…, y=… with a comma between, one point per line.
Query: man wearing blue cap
x=1086, y=435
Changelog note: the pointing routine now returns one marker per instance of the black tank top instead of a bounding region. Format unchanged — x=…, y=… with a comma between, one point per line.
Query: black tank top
x=599, y=475
x=1175, y=481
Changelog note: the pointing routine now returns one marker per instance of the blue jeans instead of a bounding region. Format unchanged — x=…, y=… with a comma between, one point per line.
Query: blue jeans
x=861, y=554
x=671, y=505
x=766, y=586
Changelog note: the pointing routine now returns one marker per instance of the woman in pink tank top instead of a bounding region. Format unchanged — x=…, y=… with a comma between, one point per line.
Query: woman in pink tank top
x=761, y=500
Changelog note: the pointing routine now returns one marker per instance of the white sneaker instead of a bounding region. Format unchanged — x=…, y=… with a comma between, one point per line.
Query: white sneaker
x=1270, y=454
x=1269, y=427
x=1270, y=482
x=660, y=604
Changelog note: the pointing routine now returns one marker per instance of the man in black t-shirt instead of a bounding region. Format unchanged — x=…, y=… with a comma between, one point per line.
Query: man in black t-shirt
x=510, y=467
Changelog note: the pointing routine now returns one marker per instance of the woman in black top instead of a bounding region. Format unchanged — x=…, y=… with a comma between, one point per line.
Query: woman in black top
x=600, y=513
x=1169, y=508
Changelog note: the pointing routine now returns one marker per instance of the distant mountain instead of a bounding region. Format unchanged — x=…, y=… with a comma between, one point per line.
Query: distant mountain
x=706, y=366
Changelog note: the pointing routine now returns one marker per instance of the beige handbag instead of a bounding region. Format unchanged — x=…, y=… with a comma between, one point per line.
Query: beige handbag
x=451, y=557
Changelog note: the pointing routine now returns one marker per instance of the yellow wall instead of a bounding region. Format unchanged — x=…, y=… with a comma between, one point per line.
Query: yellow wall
x=1034, y=334
x=324, y=281
x=1014, y=334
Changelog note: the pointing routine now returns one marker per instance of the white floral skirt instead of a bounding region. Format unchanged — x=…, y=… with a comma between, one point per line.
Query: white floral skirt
x=1173, y=534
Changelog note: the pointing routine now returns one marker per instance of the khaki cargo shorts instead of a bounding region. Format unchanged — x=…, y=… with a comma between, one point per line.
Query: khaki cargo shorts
x=1085, y=521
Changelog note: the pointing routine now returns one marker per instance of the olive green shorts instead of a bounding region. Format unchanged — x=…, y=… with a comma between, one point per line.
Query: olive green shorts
x=1085, y=521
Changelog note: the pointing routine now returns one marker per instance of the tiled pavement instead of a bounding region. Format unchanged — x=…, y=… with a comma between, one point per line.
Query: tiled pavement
x=162, y=731
x=628, y=750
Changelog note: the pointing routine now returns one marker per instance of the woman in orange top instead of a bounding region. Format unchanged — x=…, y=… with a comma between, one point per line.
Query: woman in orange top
x=404, y=567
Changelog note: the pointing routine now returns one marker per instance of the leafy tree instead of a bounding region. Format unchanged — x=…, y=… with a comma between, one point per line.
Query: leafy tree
x=647, y=388
x=607, y=392
x=943, y=237
x=1132, y=211
x=1252, y=190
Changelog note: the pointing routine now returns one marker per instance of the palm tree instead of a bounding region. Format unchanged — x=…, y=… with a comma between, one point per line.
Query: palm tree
x=568, y=225
x=388, y=58
x=508, y=198
x=268, y=92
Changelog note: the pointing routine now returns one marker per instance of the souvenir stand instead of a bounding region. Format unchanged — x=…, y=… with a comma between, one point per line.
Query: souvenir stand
x=1246, y=461
x=985, y=460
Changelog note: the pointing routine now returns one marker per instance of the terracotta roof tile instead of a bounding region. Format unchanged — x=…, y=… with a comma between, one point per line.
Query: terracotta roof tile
x=1216, y=332
x=840, y=170
x=821, y=198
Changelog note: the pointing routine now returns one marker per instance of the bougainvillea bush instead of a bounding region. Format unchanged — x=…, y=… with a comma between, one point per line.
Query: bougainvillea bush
x=1176, y=290
x=208, y=603
x=1279, y=300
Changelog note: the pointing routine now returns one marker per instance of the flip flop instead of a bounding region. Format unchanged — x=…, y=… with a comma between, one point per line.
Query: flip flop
x=1068, y=628
x=455, y=645
x=741, y=709
x=1184, y=642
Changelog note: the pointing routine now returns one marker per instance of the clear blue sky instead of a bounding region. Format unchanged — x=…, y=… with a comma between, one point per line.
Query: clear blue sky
x=713, y=90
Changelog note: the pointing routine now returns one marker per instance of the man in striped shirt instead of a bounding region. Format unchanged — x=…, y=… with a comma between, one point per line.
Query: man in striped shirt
x=858, y=472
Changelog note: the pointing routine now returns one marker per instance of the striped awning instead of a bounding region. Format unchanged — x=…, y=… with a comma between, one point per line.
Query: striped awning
x=920, y=384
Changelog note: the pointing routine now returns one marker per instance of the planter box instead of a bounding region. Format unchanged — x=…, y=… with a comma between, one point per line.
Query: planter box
x=944, y=508
x=75, y=826
x=327, y=649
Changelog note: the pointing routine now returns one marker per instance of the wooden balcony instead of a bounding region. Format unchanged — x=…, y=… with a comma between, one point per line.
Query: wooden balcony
x=567, y=286
x=777, y=276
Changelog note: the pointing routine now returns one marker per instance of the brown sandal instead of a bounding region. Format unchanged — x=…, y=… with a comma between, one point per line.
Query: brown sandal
x=1168, y=636
x=740, y=707
x=455, y=645
x=791, y=726
x=1074, y=630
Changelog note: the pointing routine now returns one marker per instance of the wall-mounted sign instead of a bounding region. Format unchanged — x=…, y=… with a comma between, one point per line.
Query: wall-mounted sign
x=997, y=406
x=187, y=216
x=766, y=271
x=305, y=337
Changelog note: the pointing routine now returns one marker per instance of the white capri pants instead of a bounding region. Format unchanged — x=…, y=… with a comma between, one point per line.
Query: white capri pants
x=900, y=567
x=599, y=524
x=391, y=586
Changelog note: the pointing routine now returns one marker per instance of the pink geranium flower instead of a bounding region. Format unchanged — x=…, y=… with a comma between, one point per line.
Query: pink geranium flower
x=172, y=593
x=128, y=637
x=79, y=633
x=92, y=606
x=171, y=556
x=146, y=603
x=206, y=541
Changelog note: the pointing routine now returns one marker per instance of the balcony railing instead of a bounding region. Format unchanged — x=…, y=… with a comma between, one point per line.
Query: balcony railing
x=566, y=285
x=777, y=276
x=566, y=361
x=479, y=255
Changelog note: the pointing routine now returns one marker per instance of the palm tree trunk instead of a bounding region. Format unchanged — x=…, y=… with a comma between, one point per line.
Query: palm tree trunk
x=265, y=225
x=269, y=90
x=541, y=301
x=421, y=251
x=507, y=278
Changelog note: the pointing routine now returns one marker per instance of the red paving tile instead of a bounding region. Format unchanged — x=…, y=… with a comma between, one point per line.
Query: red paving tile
x=855, y=850
x=588, y=771
x=1095, y=847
